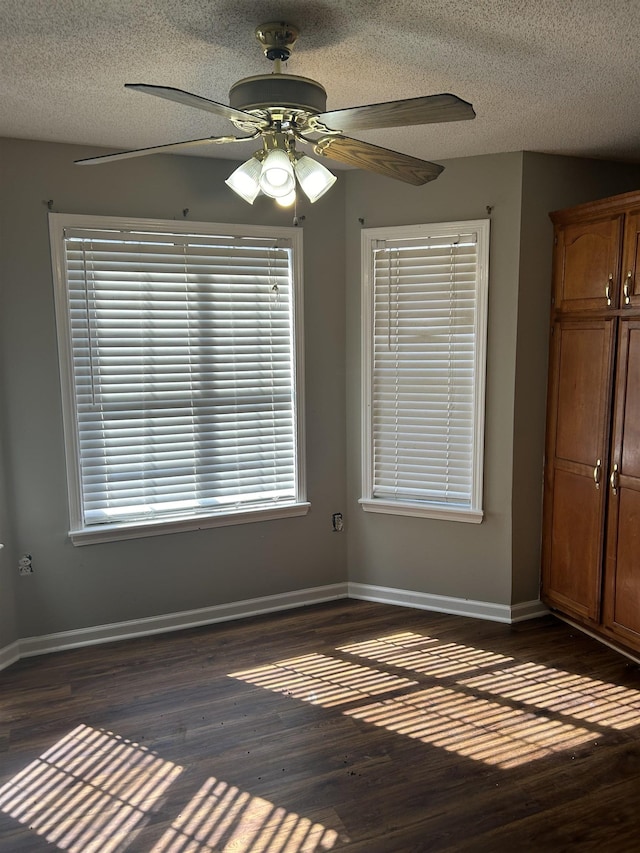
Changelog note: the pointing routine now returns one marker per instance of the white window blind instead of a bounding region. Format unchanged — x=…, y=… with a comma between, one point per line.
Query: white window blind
x=182, y=367
x=425, y=329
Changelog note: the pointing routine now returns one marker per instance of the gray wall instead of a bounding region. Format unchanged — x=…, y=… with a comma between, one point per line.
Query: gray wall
x=548, y=183
x=497, y=561
x=424, y=555
x=8, y=617
x=74, y=587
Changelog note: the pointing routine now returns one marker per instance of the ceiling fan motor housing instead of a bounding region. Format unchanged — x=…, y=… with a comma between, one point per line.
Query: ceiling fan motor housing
x=268, y=91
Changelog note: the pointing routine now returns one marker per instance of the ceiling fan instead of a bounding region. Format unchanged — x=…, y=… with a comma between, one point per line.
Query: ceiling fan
x=283, y=110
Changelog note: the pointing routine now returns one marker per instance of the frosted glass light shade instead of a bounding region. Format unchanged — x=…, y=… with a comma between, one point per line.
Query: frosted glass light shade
x=287, y=200
x=245, y=181
x=277, y=178
x=314, y=178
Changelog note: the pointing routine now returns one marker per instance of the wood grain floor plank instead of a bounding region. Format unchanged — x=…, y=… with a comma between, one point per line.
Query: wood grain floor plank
x=349, y=725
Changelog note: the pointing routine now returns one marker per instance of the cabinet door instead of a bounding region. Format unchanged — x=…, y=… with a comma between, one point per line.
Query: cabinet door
x=576, y=465
x=622, y=593
x=630, y=297
x=587, y=265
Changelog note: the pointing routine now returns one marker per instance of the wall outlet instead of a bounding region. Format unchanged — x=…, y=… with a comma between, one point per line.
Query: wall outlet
x=338, y=522
x=25, y=566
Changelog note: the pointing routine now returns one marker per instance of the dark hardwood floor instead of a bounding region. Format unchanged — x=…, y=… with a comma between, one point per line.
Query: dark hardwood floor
x=350, y=726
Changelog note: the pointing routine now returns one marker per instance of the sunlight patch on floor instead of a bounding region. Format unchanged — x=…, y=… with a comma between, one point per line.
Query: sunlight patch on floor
x=425, y=655
x=90, y=792
x=578, y=696
x=494, y=709
x=472, y=727
x=221, y=818
x=322, y=680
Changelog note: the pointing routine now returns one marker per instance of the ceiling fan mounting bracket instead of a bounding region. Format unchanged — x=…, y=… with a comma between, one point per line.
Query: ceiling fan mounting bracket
x=278, y=97
x=277, y=39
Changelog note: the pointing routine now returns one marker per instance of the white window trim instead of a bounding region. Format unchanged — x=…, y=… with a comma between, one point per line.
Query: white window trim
x=475, y=513
x=80, y=535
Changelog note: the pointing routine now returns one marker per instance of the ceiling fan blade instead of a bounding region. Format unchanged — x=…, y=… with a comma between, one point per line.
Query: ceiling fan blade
x=363, y=155
x=159, y=149
x=427, y=110
x=200, y=103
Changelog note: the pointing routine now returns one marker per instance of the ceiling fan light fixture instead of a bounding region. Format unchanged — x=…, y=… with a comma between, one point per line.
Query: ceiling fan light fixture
x=245, y=181
x=314, y=178
x=277, y=178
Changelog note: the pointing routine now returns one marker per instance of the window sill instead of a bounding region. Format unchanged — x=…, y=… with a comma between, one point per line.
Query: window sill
x=142, y=529
x=422, y=511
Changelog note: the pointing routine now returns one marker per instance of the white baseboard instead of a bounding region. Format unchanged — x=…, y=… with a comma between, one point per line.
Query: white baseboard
x=528, y=610
x=9, y=654
x=45, y=644
x=446, y=604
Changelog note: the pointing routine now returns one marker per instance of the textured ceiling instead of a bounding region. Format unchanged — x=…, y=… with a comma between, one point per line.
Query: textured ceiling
x=559, y=76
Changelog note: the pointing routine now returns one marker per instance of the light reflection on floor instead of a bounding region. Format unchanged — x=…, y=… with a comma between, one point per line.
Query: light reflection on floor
x=472, y=727
x=493, y=708
x=221, y=817
x=94, y=791
x=89, y=793
x=577, y=696
x=322, y=680
x=426, y=655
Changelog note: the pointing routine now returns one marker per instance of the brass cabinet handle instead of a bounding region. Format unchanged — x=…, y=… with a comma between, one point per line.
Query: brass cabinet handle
x=596, y=473
x=607, y=290
x=614, y=479
x=626, y=290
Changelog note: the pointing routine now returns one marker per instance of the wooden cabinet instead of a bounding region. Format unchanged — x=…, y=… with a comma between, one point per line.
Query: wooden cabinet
x=631, y=261
x=622, y=589
x=577, y=462
x=587, y=264
x=591, y=533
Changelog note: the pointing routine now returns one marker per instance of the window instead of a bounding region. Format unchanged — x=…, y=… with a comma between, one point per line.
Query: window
x=424, y=340
x=180, y=352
